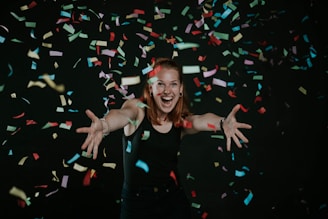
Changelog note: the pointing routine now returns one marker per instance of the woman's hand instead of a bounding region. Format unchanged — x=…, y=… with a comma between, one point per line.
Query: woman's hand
x=95, y=134
x=231, y=129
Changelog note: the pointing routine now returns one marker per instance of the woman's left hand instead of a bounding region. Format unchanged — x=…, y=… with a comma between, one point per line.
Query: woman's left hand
x=231, y=129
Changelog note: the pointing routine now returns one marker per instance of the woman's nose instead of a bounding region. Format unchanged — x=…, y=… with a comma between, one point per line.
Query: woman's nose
x=166, y=89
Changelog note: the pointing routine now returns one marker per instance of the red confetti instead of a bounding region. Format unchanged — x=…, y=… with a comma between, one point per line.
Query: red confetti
x=262, y=110
x=19, y=116
x=196, y=81
x=36, y=156
x=243, y=108
x=232, y=94
x=211, y=126
x=193, y=193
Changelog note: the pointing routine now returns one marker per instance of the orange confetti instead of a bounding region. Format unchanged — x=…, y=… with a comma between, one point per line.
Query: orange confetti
x=87, y=178
x=32, y=4
x=138, y=11
x=243, y=108
x=262, y=110
x=232, y=94
x=257, y=99
x=172, y=174
x=30, y=122
x=112, y=36
x=196, y=32
x=153, y=34
x=204, y=215
x=187, y=124
x=36, y=156
x=196, y=81
x=19, y=116
x=208, y=87
x=211, y=126
x=214, y=41
x=201, y=58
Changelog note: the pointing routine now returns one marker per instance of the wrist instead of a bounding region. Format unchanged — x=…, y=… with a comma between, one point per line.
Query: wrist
x=105, y=126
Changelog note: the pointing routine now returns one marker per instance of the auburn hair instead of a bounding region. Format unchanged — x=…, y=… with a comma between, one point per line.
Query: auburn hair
x=181, y=110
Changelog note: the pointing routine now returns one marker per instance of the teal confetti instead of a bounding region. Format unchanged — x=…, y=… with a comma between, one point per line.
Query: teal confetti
x=141, y=164
x=248, y=199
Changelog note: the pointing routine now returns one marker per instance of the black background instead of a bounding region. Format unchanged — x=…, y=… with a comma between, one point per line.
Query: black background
x=285, y=161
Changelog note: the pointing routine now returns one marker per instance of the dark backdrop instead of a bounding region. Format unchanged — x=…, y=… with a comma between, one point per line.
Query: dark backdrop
x=277, y=70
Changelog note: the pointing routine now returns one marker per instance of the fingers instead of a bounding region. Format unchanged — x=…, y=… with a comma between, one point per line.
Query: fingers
x=228, y=144
x=235, y=109
x=236, y=140
x=236, y=137
x=91, y=115
x=244, y=126
x=82, y=130
x=241, y=136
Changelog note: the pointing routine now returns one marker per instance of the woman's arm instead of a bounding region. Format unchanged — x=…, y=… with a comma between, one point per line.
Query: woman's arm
x=213, y=122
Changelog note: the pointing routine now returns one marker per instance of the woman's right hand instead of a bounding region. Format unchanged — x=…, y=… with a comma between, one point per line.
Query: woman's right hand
x=95, y=134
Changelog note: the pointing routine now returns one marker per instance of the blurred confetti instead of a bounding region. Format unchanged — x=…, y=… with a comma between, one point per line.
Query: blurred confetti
x=60, y=57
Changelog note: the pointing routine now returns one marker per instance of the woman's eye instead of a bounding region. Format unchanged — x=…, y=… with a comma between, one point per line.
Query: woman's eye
x=174, y=85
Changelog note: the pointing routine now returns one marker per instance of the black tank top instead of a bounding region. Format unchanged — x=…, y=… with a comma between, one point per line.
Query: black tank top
x=150, y=159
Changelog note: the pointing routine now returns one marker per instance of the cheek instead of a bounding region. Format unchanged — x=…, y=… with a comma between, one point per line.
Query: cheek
x=155, y=91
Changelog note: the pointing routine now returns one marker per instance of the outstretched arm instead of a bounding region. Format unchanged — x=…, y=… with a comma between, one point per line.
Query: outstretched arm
x=230, y=125
x=114, y=120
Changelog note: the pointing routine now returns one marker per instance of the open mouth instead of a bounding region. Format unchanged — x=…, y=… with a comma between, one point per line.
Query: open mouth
x=166, y=100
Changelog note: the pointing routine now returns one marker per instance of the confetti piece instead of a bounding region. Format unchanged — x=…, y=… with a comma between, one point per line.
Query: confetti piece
x=74, y=158
x=79, y=167
x=87, y=178
x=111, y=165
x=142, y=105
x=248, y=199
x=128, y=147
x=195, y=205
x=55, y=177
x=217, y=136
x=219, y=82
x=22, y=161
x=53, y=85
x=237, y=37
x=190, y=69
x=51, y=193
x=145, y=135
x=64, y=181
x=18, y=193
x=182, y=46
x=141, y=164
x=133, y=80
x=36, y=156
x=302, y=90
x=36, y=83
x=239, y=173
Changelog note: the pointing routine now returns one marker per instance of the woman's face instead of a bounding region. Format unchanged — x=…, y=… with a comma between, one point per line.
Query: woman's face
x=166, y=90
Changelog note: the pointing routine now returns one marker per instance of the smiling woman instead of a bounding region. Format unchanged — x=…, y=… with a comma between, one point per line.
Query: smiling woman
x=265, y=60
x=152, y=185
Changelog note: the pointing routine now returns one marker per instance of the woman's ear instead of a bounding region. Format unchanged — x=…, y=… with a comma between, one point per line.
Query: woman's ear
x=181, y=88
x=150, y=89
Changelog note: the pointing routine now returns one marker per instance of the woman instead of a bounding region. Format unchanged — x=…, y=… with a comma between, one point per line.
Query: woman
x=153, y=127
